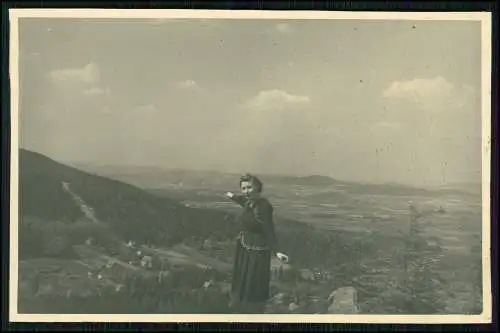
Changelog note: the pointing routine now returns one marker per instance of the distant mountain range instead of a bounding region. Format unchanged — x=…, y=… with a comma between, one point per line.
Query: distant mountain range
x=155, y=178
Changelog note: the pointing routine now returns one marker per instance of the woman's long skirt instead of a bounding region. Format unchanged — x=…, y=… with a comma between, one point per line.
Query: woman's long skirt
x=251, y=275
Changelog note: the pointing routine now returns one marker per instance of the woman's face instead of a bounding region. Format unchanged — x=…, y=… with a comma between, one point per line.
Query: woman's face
x=248, y=189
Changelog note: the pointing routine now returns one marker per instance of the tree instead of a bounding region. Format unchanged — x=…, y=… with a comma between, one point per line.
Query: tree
x=417, y=289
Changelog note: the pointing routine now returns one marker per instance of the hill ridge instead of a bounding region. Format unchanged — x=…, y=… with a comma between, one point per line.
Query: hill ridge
x=130, y=210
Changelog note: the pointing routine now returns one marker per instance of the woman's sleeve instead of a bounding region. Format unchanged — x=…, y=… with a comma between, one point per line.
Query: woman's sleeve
x=264, y=214
x=239, y=199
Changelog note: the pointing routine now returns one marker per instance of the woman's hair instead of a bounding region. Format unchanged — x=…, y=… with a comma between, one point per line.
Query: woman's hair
x=254, y=180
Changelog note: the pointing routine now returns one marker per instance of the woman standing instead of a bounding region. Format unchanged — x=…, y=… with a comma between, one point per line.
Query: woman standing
x=256, y=244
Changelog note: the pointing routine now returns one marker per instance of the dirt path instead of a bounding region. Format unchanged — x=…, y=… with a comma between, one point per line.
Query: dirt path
x=86, y=209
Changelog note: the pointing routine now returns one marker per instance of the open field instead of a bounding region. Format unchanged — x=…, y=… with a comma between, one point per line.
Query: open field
x=456, y=225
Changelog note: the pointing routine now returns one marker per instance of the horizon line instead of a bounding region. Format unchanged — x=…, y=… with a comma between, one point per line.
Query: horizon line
x=261, y=174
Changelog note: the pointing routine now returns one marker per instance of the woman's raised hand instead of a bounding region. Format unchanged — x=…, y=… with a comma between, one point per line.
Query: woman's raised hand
x=229, y=195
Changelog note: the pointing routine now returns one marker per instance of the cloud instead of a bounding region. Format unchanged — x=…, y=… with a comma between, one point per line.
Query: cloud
x=417, y=88
x=90, y=73
x=96, y=91
x=430, y=93
x=188, y=84
x=284, y=28
x=269, y=100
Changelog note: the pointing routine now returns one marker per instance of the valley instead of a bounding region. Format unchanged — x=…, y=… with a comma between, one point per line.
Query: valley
x=93, y=236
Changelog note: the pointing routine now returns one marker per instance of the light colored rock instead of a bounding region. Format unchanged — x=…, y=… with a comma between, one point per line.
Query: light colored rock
x=147, y=262
x=293, y=307
x=343, y=301
x=279, y=296
x=277, y=299
x=207, y=244
x=280, y=270
x=208, y=284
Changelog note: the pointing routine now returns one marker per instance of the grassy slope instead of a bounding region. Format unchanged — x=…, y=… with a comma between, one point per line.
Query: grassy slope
x=134, y=213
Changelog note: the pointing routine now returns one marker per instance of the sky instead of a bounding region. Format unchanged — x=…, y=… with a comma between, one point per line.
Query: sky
x=371, y=101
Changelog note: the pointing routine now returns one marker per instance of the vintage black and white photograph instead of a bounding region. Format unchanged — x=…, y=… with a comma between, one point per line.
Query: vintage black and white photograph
x=278, y=167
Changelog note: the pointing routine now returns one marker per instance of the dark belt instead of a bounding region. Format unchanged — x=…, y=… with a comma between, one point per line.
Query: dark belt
x=241, y=237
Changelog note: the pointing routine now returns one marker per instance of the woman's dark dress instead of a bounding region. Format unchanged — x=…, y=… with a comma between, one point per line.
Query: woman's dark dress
x=254, y=247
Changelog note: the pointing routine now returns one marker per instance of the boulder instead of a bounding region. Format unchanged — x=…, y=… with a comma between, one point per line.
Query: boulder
x=281, y=271
x=278, y=298
x=293, y=307
x=343, y=301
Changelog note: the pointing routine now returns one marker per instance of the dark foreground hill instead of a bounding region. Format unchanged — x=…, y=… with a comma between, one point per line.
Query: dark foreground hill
x=133, y=213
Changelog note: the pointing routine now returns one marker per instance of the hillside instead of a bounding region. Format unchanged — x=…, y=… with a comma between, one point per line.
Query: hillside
x=134, y=213
x=84, y=239
x=89, y=243
x=130, y=212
